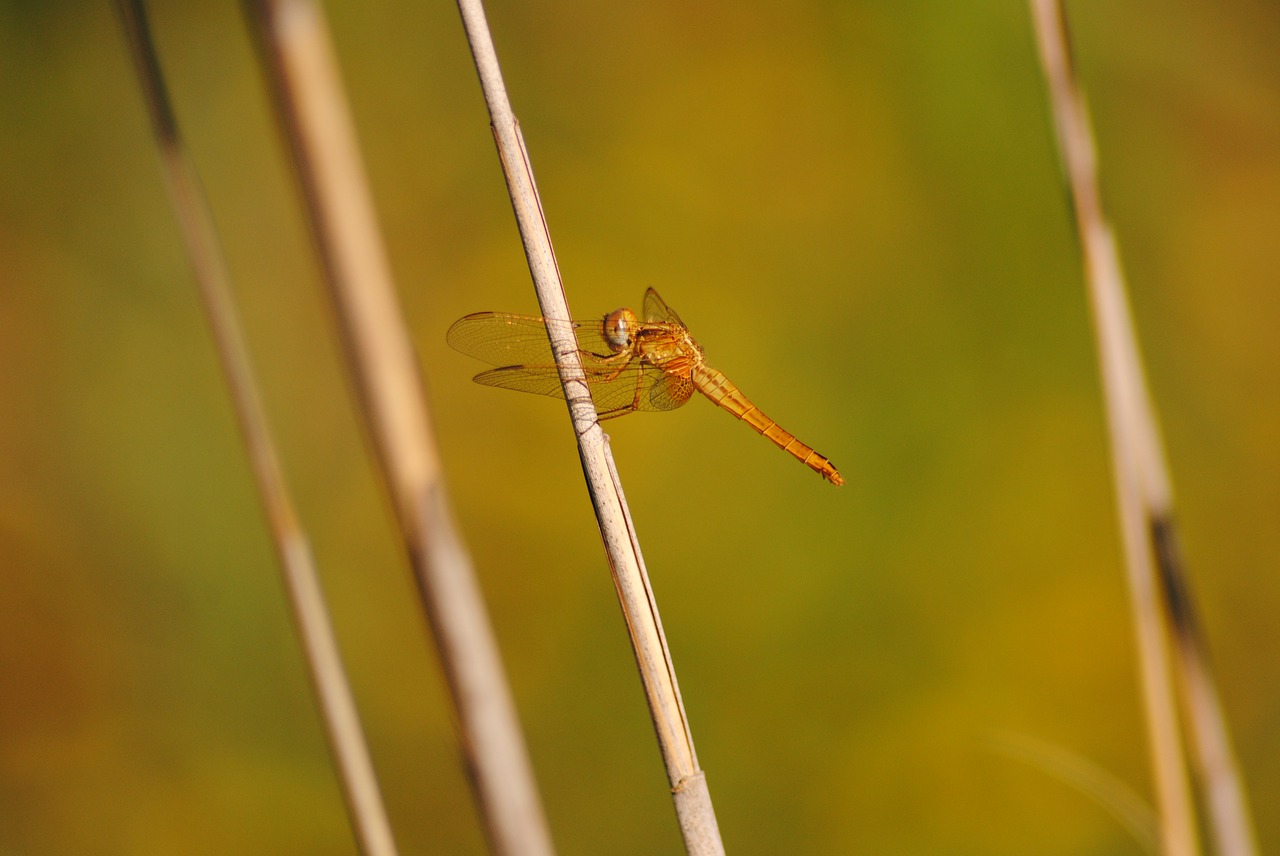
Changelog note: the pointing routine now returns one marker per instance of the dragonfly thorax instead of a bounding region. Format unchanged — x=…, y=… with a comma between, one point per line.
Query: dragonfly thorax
x=620, y=327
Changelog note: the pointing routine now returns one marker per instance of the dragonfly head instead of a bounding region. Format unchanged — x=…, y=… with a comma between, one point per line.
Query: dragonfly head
x=620, y=327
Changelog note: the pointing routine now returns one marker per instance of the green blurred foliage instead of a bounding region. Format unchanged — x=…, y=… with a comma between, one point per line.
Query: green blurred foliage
x=856, y=207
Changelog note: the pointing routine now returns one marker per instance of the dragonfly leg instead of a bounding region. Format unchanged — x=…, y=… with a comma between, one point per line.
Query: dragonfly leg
x=606, y=370
x=635, y=399
x=622, y=360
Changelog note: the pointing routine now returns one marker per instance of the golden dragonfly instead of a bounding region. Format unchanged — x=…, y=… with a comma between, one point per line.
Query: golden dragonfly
x=630, y=365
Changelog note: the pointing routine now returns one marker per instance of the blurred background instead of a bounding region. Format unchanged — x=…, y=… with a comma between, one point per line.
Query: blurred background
x=857, y=209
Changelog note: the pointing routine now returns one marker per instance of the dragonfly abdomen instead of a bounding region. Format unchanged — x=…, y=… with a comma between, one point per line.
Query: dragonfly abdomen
x=715, y=386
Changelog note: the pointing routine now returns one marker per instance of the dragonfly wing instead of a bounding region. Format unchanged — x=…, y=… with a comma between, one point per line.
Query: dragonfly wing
x=539, y=380
x=669, y=392
x=616, y=390
x=620, y=389
x=656, y=309
x=519, y=347
x=502, y=339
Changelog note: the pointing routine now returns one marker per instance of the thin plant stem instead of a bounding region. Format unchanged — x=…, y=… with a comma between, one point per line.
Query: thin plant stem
x=1122, y=388
x=1144, y=499
x=303, y=78
x=302, y=585
x=1223, y=789
x=1116, y=797
x=692, y=799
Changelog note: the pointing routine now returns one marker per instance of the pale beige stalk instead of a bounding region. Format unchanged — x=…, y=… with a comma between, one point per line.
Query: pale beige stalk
x=302, y=585
x=303, y=76
x=1144, y=501
x=688, y=782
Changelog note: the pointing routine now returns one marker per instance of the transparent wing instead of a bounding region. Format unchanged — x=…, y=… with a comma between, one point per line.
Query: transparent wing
x=656, y=309
x=616, y=390
x=519, y=346
x=502, y=339
x=670, y=392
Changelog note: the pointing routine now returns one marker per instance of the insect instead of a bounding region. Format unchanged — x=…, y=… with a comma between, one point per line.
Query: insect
x=630, y=364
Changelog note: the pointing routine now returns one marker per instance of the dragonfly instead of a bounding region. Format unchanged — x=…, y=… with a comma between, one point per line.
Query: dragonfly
x=630, y=365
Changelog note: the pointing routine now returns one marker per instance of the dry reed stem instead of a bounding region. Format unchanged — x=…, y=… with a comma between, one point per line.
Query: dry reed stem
x=303, y=77
x=1123, y=388
x=1227, y=816
x=302, y=585
x=688, y=783
x=1144, y=498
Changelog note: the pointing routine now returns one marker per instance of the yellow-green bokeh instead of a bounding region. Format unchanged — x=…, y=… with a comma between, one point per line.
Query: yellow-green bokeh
x=857, y=209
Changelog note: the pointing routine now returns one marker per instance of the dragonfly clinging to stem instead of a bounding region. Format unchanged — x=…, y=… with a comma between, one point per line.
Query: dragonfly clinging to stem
x=630, y=365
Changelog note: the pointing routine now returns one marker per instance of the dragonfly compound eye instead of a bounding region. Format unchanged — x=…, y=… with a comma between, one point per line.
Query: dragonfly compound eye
x=620, y=329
